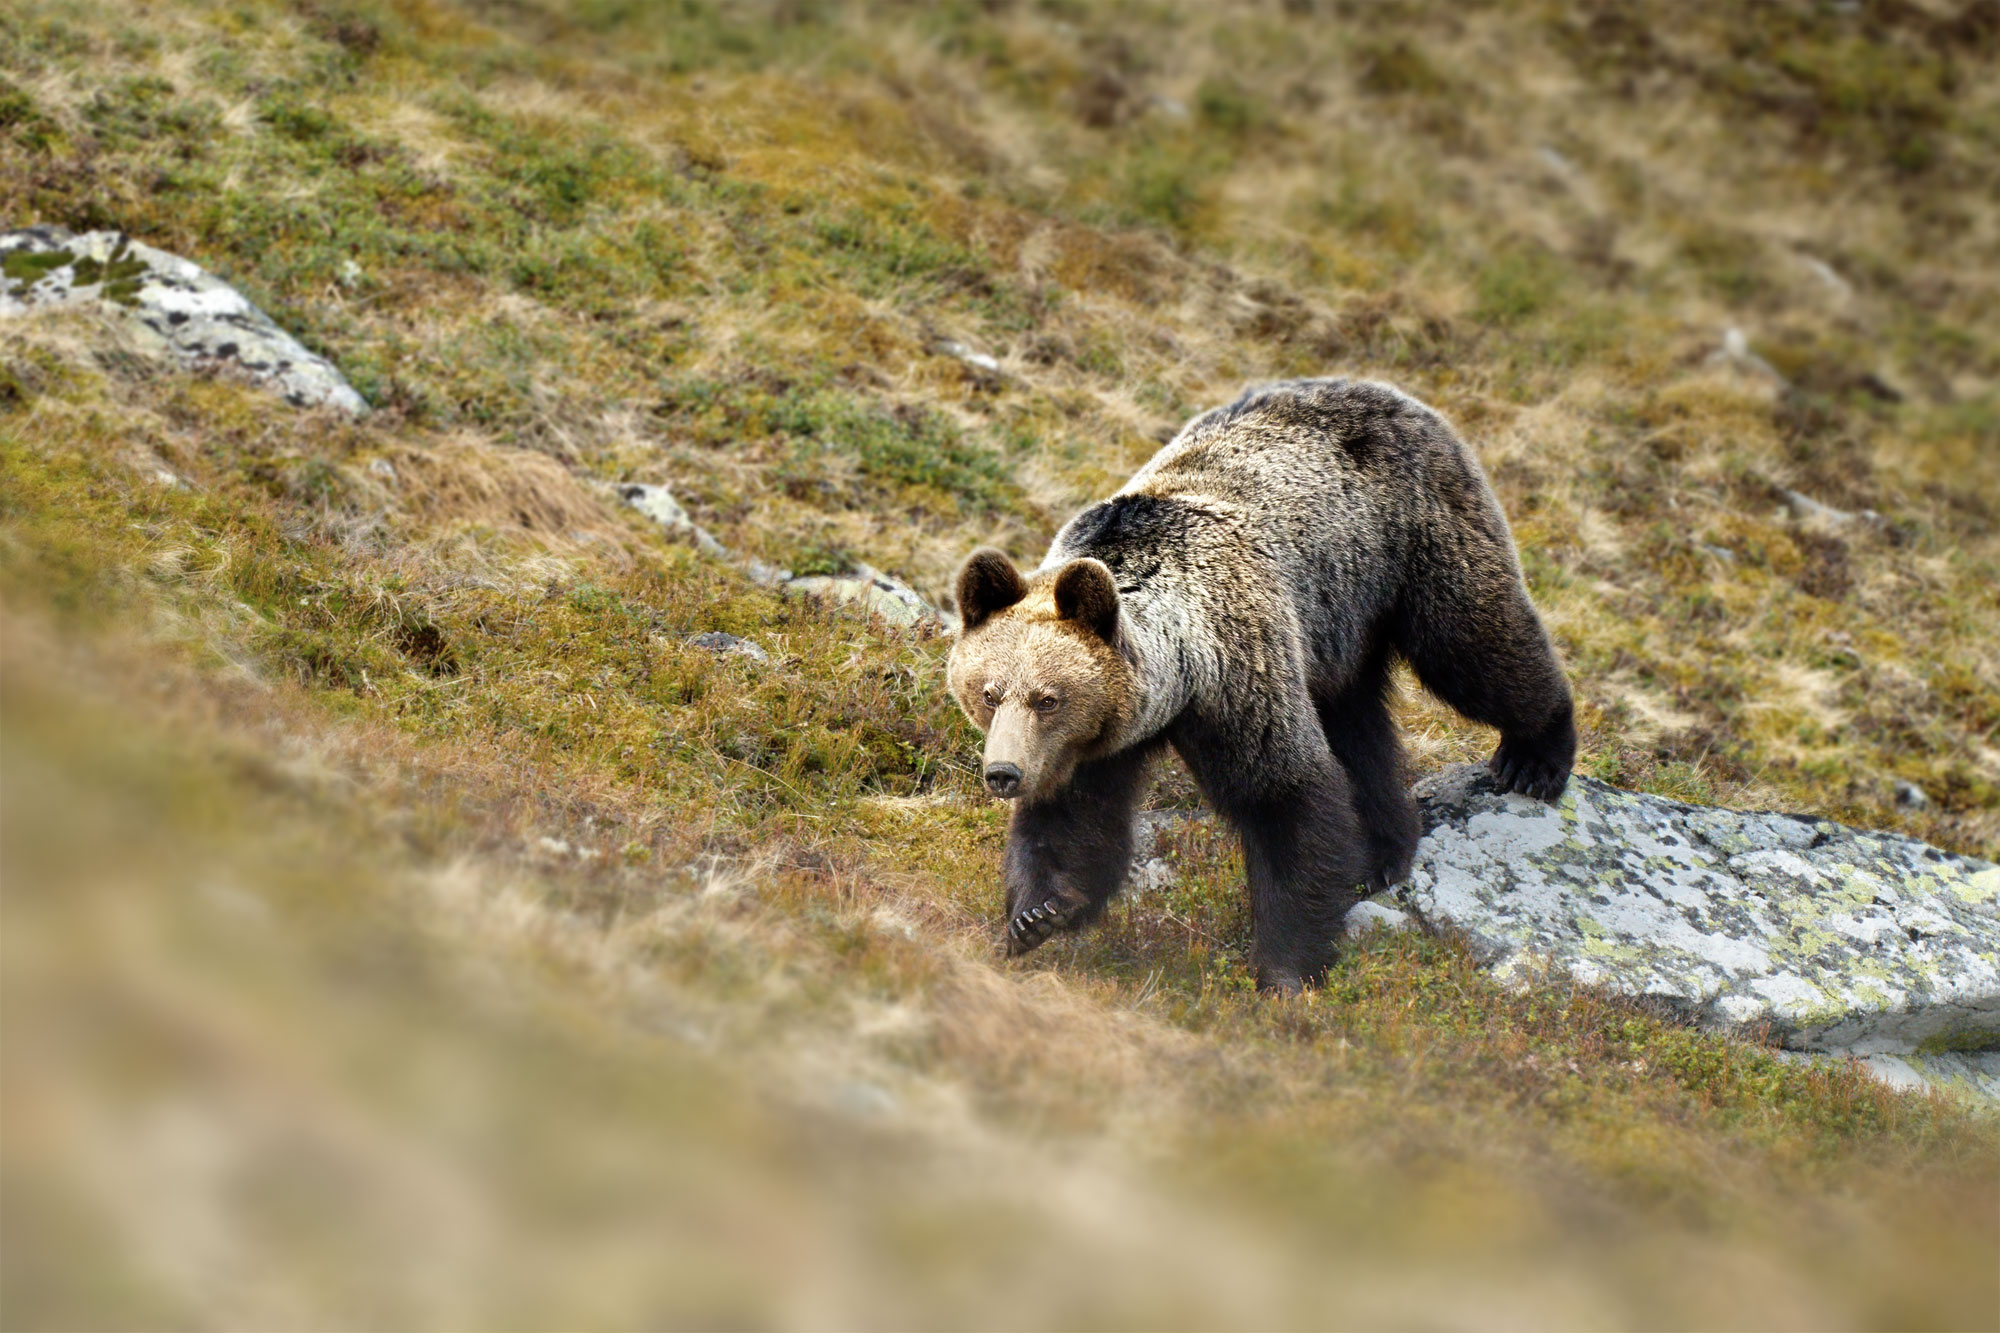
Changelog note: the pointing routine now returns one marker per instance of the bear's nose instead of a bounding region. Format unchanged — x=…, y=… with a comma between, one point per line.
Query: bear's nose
x=1003, y=779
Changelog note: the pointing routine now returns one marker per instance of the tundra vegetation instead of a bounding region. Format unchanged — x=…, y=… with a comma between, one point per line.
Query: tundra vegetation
x=407, y=924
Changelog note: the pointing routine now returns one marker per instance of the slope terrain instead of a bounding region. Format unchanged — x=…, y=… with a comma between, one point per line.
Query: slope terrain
x=407, y=923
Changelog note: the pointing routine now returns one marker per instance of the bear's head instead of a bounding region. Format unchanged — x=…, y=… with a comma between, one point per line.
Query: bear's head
x=1041, y=665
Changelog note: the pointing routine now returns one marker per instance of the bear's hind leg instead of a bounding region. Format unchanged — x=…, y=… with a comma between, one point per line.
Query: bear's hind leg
x=1364, y=739
x=1068, y=855
x=1477, y=643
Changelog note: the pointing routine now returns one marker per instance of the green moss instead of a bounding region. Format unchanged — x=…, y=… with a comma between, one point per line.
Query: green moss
x=1963, y=1039
x=29, y=266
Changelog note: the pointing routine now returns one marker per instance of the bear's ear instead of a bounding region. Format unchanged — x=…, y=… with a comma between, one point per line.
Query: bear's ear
x=1086, y=594
x=988, y=583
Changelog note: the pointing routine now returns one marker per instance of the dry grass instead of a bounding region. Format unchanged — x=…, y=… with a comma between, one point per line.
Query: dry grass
x=407, y=924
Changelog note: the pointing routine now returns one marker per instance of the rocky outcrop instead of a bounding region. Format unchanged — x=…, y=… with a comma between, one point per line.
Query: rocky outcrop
x=869, y=589
x=1788, y=928
x=178, y=308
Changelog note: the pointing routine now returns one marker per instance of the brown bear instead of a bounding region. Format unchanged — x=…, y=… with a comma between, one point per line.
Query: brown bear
x=1242, y=600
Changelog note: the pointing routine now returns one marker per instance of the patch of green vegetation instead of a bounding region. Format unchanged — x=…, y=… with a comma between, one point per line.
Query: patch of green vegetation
x=1729, y=261
x=887, y=246
x=1399, y=68
x=23, y=123
x=27, y=267
x=1516, y=285
x=1963, y=1039
x=120, y=274
x=1227, y=106
x=135, y=111
x=907, y=458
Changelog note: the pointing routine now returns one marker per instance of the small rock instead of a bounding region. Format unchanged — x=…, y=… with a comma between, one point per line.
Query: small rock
x=556, y=847
x=177, y=307
x=1910, y=796
x=871, y=589
x=728, y=645
x=1836, y=285
x=1735, y=351
x=1150, y=871
x=980, y=360
x=1375, y=914
x=382, y=468
x=1897, y=1073
x=865, y=1100
x=658, y=504
x=1151, y=876
x=1722, y=553
x=1170, y=107
x=1805, y=507
x=769, y=575
x=1555, y=162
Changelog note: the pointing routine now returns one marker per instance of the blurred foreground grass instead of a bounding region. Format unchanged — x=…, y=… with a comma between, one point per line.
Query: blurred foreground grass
x=298, y=1028
x=403, y=923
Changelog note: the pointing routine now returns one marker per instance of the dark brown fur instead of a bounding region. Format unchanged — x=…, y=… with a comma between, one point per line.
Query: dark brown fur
x=1243, y=599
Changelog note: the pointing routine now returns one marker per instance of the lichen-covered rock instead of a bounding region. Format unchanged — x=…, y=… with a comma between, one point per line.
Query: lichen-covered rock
x=658, y=503
x=1821, y=937
x=870, y=589
x=729, y=645
x=177, y=306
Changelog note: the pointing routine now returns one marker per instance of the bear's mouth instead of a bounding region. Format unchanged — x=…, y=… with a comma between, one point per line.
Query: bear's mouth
x=1030, y=928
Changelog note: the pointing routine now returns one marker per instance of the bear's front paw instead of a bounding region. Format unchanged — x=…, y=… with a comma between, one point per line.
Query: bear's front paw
x=1031, y=927
x=1530, y=770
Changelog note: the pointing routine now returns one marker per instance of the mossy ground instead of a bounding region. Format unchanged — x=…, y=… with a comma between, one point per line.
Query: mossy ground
x=395, y=894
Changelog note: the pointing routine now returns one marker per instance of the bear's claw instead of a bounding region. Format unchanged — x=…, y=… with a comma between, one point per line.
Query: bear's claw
x=1031, y=929
x=1531, y=775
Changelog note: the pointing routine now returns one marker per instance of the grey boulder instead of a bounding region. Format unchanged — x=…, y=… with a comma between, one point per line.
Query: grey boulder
x=177, y=307
x=1818, y=937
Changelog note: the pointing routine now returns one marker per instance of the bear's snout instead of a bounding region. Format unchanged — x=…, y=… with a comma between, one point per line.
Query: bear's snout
x=1003, y=780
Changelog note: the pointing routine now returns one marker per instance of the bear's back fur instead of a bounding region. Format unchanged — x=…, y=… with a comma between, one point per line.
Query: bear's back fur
x=1323, y=502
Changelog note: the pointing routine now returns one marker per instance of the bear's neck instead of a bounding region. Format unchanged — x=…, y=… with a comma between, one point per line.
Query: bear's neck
x=1161, y=685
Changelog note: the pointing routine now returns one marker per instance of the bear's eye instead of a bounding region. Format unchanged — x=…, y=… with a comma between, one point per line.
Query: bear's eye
x=1048, y=703
x=992, y=696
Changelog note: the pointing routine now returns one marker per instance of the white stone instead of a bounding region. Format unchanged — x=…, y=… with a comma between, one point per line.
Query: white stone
x=979, y=360
x=1370, y=914
x=177, y=307
x=658, y=504
x=870, y=589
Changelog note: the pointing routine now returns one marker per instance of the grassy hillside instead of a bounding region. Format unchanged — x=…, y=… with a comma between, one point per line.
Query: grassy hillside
x=406, y=924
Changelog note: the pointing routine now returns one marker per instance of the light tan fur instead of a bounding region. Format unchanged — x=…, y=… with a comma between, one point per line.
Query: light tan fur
x=1023, y=659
